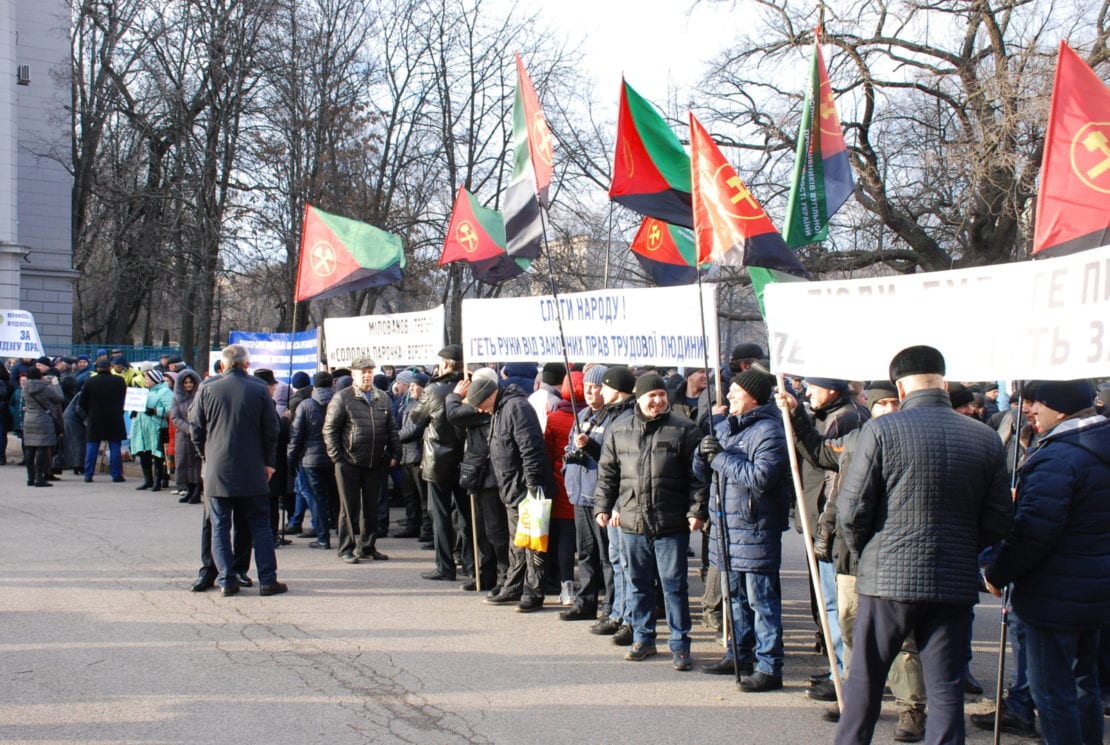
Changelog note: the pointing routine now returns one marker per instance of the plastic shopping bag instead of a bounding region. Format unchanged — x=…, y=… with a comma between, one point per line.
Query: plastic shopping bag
x=534, y=523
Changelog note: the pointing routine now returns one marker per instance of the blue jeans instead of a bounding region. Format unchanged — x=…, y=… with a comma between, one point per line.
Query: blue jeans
x=757, y=608
x=620, y=577
x=303, y=502
x=258, y=518
x=317, y=483
x=1063, y=678
x=827, y=572
x=644, y=555
x=115, y=465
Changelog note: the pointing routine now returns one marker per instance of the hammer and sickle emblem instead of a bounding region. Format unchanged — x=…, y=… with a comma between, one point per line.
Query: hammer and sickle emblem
x=829, y=123
x=467, y=236
x=322, y=259
x=1090, y=155
x=654, y=237
x=541, y=134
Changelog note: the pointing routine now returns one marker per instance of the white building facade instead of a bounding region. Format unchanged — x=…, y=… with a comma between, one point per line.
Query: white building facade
x=36, y=254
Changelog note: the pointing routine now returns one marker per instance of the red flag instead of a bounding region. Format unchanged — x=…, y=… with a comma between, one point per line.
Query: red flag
x=1072, y=205
x=730, y=226
x=340, y=255
x=475, y=232
x=539, y=134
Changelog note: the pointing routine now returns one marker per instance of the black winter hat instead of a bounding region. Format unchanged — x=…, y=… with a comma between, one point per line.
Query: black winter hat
x=553, y=373
x=266, y=376
x=300, y=379
x=619, y=378
x=452, y=352
x=756, y=384
x=917, y=360
x=960, y=394
x=747, y=351
x=1065, y=396
x=877, y=390
x=647, y=383
x=322, y=379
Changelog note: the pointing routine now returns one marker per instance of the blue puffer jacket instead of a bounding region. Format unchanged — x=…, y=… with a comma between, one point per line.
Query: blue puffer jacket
x=306, y=436
x=753, y=473
x=1058, y=552
x=580, y=479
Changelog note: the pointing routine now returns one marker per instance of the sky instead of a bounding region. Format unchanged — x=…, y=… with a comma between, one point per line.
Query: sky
x=656, y=44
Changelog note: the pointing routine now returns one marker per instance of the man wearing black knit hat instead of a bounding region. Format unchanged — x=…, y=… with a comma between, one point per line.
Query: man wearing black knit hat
x=645, y=473
x=925, y=492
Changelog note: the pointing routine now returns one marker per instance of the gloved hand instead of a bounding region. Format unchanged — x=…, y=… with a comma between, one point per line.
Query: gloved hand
x=151, y=412
x=822, y=546
x=709, y=447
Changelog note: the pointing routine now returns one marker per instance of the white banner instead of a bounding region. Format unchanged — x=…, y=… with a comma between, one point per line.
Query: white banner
x=646, y=326
x=135, y=400
x=19, y=336
x=395, y=339
x=1033, y=320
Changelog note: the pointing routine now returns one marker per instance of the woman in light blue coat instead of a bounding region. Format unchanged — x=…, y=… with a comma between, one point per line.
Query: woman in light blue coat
x=149, y=430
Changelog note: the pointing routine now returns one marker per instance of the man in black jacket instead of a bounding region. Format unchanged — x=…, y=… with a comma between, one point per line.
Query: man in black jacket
x=646, y=473
x=235, y=430
x=361, y=439
x=519, y=460
x=926, y=491
x=102, y=399
x=439, y=466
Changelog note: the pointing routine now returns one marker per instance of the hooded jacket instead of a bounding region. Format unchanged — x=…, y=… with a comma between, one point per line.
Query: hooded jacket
x=306, y=434
x=187, y=465
x=1057, y=555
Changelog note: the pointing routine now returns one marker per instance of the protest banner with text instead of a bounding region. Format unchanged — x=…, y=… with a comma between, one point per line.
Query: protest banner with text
x=285, y=354
x=394, y=339
x=645, y=326
x=19, y=336
x=1032, y=320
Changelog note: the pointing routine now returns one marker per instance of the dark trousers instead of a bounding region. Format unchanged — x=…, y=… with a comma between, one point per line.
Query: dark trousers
x=37, y=460
x=154, y=468
x=240, y=543
x=262, y=535
x=441, y=499
x=359, y=489
x=525, y=575
x=595, y=573
x=940, y=630
x=423, y=517
x=493, y=539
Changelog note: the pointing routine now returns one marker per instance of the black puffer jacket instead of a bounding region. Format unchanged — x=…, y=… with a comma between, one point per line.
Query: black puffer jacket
x=412, y=436
x=517, y=451
x=443, y=442
x=306, y=434
x=476, y=452
x=361, y=432
x=925, y=492
x=646, y=472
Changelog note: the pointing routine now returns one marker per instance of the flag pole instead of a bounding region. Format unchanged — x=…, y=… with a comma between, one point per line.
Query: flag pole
x=558, y=310
x=722, y=523
x=811, y=557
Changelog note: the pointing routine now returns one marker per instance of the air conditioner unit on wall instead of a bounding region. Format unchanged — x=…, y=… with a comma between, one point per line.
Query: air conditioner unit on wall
x=23, y=74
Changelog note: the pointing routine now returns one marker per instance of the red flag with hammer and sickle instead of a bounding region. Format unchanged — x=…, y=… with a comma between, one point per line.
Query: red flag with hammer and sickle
x=1072, y=206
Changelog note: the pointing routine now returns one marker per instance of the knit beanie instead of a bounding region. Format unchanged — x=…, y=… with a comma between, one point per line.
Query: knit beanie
x=154, y=375
x=487, y=373
x=553, y=373
x=300, y=379
x=960, y=394
x=619, y=378
x=647, y=383
x=595, y=375
x=480, y=389
x=1065, y=396
x=877, y=390
x=757, y=385
x=322, y=379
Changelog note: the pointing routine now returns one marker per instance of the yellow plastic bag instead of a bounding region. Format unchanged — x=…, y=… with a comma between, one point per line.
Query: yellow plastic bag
x=534, y=523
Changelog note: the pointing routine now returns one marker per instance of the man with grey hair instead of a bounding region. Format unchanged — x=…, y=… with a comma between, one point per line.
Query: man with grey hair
x=360, y=435
x=235, y=430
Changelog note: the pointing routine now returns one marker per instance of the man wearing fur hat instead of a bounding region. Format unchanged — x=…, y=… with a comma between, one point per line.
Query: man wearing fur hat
x=926, y=491
x=747, y=460
x=1057, y=557
x=646, y=473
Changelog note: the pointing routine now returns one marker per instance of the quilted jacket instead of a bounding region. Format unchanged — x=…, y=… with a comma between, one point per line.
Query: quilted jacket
x=926, y=491
x=1058, y=551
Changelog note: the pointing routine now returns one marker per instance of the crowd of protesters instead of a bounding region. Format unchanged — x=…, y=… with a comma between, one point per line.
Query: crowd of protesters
x=919, y=494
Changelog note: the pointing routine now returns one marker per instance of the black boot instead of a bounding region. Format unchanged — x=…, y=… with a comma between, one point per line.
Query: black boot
x=194, y=494
x=148, y=474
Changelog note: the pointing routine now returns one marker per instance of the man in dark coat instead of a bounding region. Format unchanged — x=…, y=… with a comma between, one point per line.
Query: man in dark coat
x=646, y=473
x=747, y=459
x=518, y=457
x=361, y=439
x=102, y=400
x=439, y=466
x=926, y=491
x=1057, y=555
x=235, y=430
x=308, y=455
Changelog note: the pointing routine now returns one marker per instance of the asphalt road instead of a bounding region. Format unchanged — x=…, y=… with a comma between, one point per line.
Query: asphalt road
x=101, y=642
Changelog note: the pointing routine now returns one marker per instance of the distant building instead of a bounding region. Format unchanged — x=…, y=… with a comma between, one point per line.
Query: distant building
x=36, y=249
